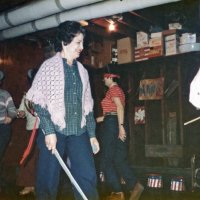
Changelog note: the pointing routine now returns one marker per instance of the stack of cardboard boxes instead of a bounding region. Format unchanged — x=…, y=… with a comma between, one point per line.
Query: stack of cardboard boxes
x=142, y=49
x=148, y=47
x=156, y=45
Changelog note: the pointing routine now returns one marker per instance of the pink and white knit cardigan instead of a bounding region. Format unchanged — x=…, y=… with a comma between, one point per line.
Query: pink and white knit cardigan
x=48, y=90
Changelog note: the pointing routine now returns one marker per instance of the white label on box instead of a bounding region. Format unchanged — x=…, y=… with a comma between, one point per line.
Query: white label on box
x=170, y=37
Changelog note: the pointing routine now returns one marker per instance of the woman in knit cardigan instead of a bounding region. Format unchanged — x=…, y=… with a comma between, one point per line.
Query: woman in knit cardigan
x=62, y=99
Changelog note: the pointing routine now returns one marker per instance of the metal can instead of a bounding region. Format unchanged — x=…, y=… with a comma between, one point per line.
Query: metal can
x=177, y=184
x=155, y=181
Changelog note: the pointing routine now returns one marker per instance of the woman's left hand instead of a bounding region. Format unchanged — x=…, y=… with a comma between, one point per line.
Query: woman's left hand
x=122, y=134
x=95, y=145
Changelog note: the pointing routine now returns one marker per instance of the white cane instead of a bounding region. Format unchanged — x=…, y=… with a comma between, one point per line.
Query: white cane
x=63, y=165
x=191, y=121
x=73, y=181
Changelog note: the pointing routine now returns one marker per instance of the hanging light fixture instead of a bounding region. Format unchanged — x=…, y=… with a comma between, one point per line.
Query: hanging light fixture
x=111, y=26
x=113, y=22
x=83, y=22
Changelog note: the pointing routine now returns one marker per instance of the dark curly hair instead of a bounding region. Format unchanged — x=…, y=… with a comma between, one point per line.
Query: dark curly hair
x=66, y=32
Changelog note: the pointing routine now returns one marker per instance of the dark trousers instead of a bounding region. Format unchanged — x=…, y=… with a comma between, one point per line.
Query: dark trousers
x=79, y=152
x=115, y=157
x=5, y=134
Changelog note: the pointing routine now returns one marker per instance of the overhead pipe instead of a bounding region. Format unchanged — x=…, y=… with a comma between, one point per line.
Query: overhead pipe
x=99, y=9
x=37, y=10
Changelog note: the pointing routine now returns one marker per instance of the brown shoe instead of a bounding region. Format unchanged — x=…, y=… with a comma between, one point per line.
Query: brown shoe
x=137, y=191
x=116, y=196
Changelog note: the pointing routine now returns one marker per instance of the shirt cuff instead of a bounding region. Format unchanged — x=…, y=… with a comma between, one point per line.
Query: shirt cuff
x=91, y=134
x=47, y=130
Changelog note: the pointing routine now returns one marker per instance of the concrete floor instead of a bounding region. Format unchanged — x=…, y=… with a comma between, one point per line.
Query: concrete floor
x=10, y=192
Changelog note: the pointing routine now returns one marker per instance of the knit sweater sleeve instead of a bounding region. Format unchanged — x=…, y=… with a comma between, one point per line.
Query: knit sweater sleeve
x=11, y=109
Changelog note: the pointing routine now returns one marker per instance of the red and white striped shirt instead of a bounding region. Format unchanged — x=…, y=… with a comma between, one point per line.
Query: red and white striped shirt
x=107, y=103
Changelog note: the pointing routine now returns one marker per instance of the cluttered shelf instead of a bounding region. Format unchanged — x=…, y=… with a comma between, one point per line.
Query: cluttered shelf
x=145, y=47
x=161, y=58
x=165, y=44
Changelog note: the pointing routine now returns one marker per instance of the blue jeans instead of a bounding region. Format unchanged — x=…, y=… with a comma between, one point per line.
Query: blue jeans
x=79, y=152
x=115, y=157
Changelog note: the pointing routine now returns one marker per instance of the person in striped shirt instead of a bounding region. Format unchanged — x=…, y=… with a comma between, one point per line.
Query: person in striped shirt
x=114, y=142
x=7, y=114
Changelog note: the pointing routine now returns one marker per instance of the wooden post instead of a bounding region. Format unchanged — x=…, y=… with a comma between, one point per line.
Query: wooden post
x=180, y=103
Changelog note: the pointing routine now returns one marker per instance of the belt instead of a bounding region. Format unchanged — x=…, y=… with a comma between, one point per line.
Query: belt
x=110, y=113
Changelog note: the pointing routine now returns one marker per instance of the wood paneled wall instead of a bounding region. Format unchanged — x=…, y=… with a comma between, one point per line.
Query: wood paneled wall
x=16, y=57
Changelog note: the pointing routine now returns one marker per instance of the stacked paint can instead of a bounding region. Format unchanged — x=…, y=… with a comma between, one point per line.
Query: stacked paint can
x=177, y=184
x=177, y=187
x=155, y=185
x=155, y=181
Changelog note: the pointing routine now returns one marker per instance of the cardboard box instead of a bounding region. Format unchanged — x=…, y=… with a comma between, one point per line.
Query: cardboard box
x=157, y=41
x=171, y=47
x=125, y=47
x=171, y=42
x=169, y=32
x=175, y=26
x=171, y=37
x=142, y=39
x=156, y=35
x=188, y=38
x=155, y=51
x=141, y=53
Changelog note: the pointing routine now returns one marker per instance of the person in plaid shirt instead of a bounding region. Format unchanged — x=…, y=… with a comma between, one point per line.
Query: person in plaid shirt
x=62, y=99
